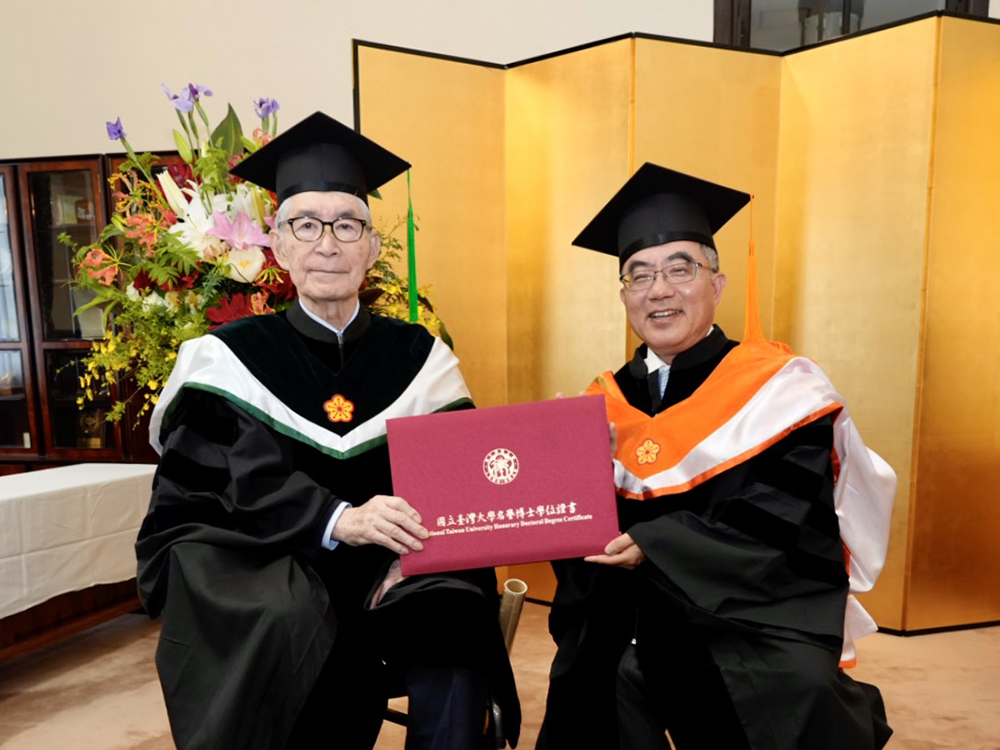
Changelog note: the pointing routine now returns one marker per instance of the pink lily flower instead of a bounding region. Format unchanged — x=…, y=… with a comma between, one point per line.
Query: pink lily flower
x=241, y=233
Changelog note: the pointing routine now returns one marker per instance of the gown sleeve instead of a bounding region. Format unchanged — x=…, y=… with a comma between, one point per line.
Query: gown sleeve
x=227, y=479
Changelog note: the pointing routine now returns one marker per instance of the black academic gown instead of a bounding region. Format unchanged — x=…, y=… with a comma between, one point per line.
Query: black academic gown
x=744, y=576
x=230, y=551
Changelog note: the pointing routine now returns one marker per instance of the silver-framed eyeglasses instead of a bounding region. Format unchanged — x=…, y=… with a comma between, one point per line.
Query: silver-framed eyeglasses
x=310, y=229
x=642, y=279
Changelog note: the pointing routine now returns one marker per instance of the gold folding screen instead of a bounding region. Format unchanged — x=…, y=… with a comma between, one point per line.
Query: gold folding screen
x=447, y=120
x=874, y=163
x=954, y=556
x=714, y=113
x=567, y=145
x=855, y=147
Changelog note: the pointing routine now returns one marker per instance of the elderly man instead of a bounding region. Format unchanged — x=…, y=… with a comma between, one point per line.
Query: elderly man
x=272, y=540
x=749, y=506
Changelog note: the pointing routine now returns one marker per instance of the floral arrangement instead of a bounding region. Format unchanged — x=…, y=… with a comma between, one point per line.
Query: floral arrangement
x=187, y=250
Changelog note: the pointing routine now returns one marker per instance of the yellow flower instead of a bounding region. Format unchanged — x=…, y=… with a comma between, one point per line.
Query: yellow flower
x=153, y=385
x=154, y=399
x=339, y=409
x=646, y=453
x=171, y=355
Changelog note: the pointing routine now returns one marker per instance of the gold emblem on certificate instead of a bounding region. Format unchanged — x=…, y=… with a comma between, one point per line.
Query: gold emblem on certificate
x=500, y=466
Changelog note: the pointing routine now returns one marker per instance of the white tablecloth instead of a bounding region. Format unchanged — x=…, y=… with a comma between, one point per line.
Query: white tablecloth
x=67, y=529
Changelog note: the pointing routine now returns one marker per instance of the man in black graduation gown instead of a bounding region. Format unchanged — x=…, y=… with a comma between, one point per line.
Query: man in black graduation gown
x=272, y=540
x=750, y=509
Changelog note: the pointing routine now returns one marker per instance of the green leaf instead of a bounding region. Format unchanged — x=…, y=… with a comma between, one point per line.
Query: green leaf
x=229, y=134
x=106, y=314
x=446, y=337
x=112, y=230
x=183, y=147
x=93, y=303
x=67, y=240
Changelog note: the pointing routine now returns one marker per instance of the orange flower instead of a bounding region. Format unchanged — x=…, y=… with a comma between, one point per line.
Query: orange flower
x=105, y=276
x=95, y=258
x=647, y=452
x=259, y=306
x=94, y=261
x=143, y=229
x=339, y=409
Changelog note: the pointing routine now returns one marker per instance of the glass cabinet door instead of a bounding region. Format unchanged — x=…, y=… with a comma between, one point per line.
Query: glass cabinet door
x=10, y=327
x=15, y=425
x=77, y=424
x=65, y=199
x=17, y=417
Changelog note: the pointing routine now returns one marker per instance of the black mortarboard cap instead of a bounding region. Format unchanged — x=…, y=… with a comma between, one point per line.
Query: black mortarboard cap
x=656, y=206
x=322, y=154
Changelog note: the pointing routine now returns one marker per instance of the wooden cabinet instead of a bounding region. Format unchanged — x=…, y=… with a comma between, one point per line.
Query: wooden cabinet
x=42, y=341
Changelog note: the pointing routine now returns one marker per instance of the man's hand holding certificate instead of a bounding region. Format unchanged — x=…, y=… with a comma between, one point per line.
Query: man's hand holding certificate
x=506, y=485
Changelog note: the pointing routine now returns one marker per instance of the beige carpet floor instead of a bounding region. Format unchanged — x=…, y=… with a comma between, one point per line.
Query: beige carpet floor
x=98, y=690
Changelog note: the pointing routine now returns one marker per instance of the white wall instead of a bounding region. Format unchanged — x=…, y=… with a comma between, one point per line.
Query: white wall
x=70, y=65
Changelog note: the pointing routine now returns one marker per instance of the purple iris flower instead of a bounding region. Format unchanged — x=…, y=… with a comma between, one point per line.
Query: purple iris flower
x=264, y=107
x=115, y=130
x=198, y=91
x=182, y=101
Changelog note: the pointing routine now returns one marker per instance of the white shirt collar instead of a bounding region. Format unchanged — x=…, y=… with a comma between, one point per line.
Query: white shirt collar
x=325, y=324
x=654, y=363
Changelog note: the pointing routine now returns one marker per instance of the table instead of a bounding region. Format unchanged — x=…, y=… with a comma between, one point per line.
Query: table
x=67, y=529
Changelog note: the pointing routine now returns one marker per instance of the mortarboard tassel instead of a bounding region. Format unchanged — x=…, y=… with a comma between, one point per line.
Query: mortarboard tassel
x=752, y=330
x=411, y=247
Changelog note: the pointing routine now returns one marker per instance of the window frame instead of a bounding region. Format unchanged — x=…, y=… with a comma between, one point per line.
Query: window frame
x=732, y=19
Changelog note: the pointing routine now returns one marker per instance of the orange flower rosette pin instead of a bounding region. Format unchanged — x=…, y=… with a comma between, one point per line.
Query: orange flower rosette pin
x=339, y=409
x=647, y=452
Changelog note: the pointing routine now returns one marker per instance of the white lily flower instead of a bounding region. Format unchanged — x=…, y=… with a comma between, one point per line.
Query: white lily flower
x=251, y=200
x=221, y=202
x=258, y=210
x=197, y=221
x=242, y=202
x=175, y=198
x=244, y=265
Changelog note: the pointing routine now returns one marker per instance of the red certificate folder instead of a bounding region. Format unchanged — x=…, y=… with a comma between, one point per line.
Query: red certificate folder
x=506, y=485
